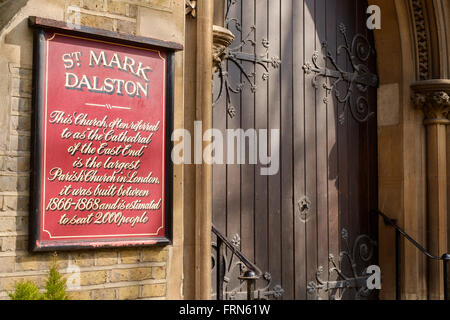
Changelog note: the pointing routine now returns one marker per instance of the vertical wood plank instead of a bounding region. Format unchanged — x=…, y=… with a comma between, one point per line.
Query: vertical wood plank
x=342, y=17
x=299, y=148
x=332, y=122
x=274, y=194
x=363, y=135
x=311, y=146
x=354, y=148
x=219, y=188
x=248, y=122
x=233, y=123
x=322, y=158
x=261, y=196
x=373, y=149
x=287, y=124
x=372, y=142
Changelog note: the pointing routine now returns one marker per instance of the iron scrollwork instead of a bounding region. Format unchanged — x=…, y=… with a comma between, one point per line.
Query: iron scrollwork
x=357, y=81
x=233, y=268
x=362, y=250
x=237, y=55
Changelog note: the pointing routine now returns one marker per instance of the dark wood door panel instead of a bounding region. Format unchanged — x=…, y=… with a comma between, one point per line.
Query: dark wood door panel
x=307, y=68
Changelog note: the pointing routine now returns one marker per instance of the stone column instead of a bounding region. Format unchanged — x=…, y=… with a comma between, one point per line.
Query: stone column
x=203, y=172
x=432, y=97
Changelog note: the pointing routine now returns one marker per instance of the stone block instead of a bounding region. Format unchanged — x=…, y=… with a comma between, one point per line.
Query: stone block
x=126, y=27
x=20, y=143
x=117, y=7
x=154, y=255
x=97, y=21
x=104, y=294
x=128, y=293
x=153, y=290
x=130, y=256
x=80, y=295
x=17, y=164
x=135, y=274
x=159, y=272
x=83, y=259
x=7, y=264
x=21, y=123
x=30, y=263
x=14, y=203
x=94, y=5
x=106, y=258
x=93, y=278
x=21, y=104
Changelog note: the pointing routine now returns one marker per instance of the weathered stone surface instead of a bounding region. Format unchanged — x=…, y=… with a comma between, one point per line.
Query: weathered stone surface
x=20, y=143
x=130, y=256
x=153, y=290
x=117, y=7
x=92, y=278
x=21, y=104
x=97, y=22
x=95, y=5
x=128, y=293
x=7, y=264
x=154, y=255
x=126, y=27
x=30, y=263
x=104, y=294
x=83, y=259
x=135, y=274
x=80, y=295
x=157, y=4
x=159, y=272
x=106, y=258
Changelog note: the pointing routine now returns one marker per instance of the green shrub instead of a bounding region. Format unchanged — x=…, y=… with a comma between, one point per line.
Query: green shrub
x=25, y=290
x=55, y=287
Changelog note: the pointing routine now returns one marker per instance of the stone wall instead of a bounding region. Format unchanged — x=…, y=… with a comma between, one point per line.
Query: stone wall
x=92, y=274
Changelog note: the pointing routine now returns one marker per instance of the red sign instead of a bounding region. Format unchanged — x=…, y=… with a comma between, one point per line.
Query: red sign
x=102, y=150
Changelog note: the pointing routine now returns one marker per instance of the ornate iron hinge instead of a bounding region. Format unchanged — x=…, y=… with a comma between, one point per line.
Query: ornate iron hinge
x=357, y=281
x=237, y=56
x=357, y=81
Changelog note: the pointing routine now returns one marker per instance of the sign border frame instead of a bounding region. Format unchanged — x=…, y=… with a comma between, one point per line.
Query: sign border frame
x=40, y=26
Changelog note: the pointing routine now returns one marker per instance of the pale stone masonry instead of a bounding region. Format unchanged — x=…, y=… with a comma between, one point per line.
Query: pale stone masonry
x=106, y=274
x=138, y=273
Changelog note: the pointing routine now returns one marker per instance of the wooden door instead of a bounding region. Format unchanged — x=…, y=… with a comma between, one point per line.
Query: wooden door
x=307, y=68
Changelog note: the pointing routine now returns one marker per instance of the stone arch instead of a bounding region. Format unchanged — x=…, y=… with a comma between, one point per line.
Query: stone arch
x=411, y=46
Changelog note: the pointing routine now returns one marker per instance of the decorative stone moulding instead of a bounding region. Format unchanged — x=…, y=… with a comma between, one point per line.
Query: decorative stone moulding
x=433, y=98
x=191, y=8
x=222, y=39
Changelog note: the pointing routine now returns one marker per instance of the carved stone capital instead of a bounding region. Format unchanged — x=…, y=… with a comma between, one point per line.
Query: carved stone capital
x=433, y=98
x=222, y=39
